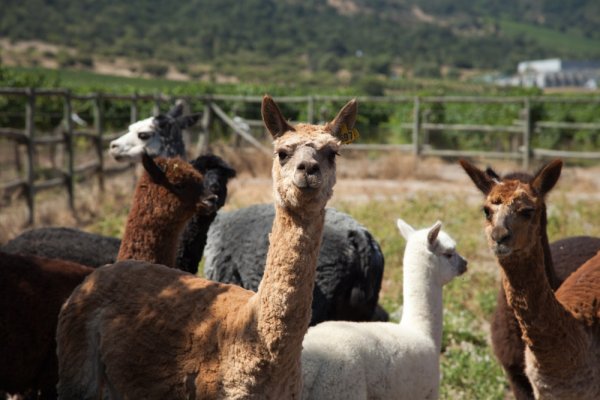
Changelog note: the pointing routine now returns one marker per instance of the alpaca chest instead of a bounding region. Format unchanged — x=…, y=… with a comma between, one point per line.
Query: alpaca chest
x=581, y=382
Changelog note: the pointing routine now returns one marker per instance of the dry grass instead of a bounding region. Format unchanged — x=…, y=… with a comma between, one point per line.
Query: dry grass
x=362, y=177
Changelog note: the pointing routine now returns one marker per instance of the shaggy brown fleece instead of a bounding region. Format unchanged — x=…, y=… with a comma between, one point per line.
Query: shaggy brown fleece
x=140, y=330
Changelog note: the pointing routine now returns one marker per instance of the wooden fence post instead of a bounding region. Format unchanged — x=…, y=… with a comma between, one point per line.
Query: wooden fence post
x=156, y=106
x=204, y=136
x=30, y=132
x=134, y=111
x=99, y=128
x=310, y=111
x=416, y=127
x=68, y=138
x=526, y=133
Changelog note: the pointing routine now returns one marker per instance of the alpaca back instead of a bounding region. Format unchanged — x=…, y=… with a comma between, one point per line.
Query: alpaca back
x=580, y=377
x=158, y=327
x=580, y=292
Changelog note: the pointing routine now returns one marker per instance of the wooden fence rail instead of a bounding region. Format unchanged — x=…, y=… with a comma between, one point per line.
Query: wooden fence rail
x=99, y=136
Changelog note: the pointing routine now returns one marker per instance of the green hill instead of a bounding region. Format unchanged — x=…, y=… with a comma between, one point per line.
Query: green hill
x=269, y=38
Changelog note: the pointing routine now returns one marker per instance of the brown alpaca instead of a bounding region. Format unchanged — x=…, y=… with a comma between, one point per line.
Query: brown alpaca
x=561, y=332
x=561, y=258
x=140, y=330
x=167, y=196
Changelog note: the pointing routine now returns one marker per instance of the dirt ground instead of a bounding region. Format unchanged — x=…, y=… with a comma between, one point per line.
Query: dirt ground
x=362, y=177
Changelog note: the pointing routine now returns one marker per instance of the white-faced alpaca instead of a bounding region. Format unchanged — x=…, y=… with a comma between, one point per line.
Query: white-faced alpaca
x=383, y=360
x=160, y=135
x=561, y=331
x=144, y=331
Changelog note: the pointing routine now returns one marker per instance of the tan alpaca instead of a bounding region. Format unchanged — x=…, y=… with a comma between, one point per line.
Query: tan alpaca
x=143, y=331
x=561, y=332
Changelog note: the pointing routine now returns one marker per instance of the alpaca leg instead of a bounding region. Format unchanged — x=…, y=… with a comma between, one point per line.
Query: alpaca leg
x=519, y=383
x=509, y=348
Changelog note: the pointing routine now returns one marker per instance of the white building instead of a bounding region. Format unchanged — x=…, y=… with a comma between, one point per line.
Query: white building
x=555, y=72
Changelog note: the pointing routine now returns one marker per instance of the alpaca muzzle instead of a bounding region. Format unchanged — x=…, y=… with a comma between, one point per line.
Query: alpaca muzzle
x=210, y=202
x=308, y=175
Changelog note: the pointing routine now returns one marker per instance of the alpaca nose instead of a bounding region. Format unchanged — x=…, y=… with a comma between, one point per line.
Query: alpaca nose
x=310, y=167
x=500, y=234
x=462, y=266
x=210, y=201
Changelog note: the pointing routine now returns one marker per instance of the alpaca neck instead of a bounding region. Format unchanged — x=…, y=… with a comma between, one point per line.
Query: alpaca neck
x=548, y=264
x=422, y=310
x=543, y=320
x=193, y=241
x=149, y=236
x=285, y=292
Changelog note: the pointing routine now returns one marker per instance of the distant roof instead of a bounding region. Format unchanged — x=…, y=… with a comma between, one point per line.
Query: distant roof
x=551, y=65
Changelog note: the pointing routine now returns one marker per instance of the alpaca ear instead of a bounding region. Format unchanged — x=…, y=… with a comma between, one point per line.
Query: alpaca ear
x=482, y=180
x=156, y=173
x=273, y=119
x=176, y=110
x=492, y=174
x=188, y=120
x=547, y=177
x=162, y=121
x=405, y=229
x=434, y=232
x=227, y=171
x=343, y=124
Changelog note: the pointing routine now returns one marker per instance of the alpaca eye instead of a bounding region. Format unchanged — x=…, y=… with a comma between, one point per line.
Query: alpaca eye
x=283, y=155
x=526, y=212
x=144, y=135
x=488, y=213
x=332, y=154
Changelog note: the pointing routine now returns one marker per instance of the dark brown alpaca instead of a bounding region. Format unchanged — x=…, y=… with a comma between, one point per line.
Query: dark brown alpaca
x=32, y=290
x=561, y=332
x=166, y=197
x=561, y=258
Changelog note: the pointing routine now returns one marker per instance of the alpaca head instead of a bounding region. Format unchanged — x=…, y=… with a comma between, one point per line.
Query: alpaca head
x=155, y=136
x=304, y=157
x=177, y=187
x=514, y=206
x=216, y=174
x=437, y=247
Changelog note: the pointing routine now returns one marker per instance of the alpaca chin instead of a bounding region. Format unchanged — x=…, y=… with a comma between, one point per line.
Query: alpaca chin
x=502, y=250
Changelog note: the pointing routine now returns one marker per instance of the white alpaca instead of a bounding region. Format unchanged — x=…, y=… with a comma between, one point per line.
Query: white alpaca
x=382, y=360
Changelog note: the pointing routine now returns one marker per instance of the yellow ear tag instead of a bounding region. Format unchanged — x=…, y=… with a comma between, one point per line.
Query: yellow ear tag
x=347, y=136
